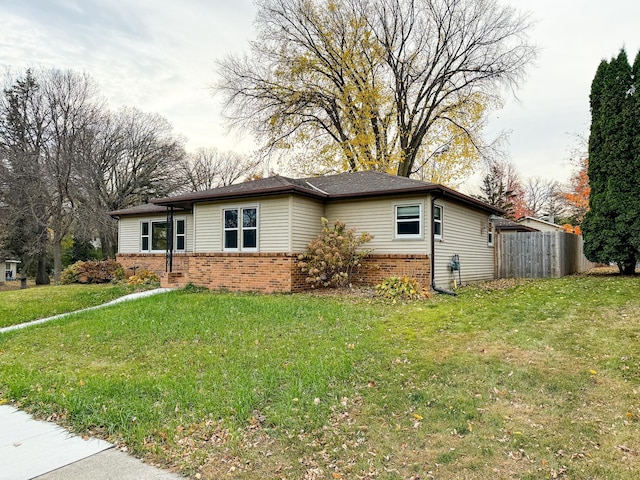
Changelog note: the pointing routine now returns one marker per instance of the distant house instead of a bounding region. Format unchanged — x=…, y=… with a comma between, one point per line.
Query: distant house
x=540, y=225
x=248, y=236
x=504, y=225
x=11, y=269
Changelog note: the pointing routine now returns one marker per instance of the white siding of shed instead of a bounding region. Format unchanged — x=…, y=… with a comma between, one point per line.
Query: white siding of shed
x=377, y=217
x=306, y=215
x=464, y=232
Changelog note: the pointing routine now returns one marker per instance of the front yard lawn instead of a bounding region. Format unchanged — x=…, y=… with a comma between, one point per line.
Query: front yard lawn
x=540, y=379
x=19, y=306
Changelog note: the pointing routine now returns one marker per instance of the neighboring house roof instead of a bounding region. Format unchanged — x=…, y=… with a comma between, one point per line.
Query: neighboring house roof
x=502, y=224
x=351, y=185
x=540, y=222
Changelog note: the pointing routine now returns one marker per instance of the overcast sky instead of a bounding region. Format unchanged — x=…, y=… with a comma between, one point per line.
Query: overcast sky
x=158, y=55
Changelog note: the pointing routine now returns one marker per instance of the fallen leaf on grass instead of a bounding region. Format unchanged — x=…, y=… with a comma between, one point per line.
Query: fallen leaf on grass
x=626, y=449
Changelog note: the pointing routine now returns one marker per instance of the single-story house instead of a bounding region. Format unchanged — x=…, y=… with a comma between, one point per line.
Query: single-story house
x=505, y=225
x=248, y=236
x=539, y=224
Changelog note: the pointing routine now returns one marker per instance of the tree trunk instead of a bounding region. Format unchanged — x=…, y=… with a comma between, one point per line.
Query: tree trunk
x=42, y=276
x=57, y=260
x=627, y=267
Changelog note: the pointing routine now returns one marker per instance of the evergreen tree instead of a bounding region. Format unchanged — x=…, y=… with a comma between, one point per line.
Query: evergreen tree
x=611, y=228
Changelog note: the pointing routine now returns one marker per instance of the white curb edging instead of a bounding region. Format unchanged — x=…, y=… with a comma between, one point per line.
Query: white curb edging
x=131, y=296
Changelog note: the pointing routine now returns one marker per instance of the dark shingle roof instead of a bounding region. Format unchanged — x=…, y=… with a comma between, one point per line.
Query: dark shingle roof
x=503, y=224
x=145, y=209
x=365, y=183
x=342, y=186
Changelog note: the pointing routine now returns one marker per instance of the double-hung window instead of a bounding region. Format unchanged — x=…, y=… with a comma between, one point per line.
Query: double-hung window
x=181, y=235
x=408, y=221
x=144, y=236
x=437, y=222
x=241, y=229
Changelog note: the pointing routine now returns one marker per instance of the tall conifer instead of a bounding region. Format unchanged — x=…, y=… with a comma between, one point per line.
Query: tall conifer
x=611, y=228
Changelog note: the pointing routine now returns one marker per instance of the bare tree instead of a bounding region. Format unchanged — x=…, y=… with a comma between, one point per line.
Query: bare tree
x=66, y=161
x=72, y=105
x=375, y=84
x=542, y=197
x=209, y=168
x=130, y=157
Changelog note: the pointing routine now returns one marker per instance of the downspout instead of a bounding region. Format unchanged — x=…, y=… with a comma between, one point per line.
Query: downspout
x=433, y=250
x=169, y=253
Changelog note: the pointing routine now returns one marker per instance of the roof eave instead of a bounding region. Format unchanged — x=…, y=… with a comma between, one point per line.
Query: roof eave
x=186, y=201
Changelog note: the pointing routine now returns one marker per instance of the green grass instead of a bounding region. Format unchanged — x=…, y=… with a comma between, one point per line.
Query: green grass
x=537, y=380
x=19, y=306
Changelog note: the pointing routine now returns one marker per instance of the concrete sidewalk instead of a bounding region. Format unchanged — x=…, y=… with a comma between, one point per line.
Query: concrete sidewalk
x=35, y=449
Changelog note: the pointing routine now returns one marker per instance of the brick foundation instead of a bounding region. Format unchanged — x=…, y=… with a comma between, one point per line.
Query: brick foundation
x=264, y=272
x=377, y=267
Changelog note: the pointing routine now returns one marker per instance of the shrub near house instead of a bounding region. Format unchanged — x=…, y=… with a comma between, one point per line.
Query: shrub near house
x=103, y=271
x=332, y=258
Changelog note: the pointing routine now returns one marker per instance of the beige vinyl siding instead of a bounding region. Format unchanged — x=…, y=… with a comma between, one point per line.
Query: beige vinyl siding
x=189, y=231
x=129, y=232
x=208, y=218
x=306, y=216
x=464, y=232
x=377, y=217
x=273, y=224
x=129, y=235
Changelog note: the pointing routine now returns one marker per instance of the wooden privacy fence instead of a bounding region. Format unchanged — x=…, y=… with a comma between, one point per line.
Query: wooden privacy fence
x=539, y=255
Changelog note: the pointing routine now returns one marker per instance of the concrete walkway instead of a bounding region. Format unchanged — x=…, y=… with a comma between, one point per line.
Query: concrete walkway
x=35, y=449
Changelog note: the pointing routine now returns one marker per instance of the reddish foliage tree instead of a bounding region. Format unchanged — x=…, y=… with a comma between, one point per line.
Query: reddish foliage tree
x=578, y=197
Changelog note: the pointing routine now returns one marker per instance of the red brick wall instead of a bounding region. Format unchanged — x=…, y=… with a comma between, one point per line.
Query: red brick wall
x=154, y=262
x=265, y=272
x=377, y=267
x=260, y=272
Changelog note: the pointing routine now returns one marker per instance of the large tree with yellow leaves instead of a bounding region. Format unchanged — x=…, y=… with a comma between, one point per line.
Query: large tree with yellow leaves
x=401, y=86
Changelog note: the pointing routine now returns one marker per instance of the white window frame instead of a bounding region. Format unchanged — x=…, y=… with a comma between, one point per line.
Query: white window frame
x=240, y=229
x=151, y=222
x=438, y=221
x=149, y=235
x=183, y=235
x=144, y=236
x=490, y=235
x=396, y=221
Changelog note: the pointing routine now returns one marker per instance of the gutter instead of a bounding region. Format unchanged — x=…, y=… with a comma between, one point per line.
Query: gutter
x=433, y=250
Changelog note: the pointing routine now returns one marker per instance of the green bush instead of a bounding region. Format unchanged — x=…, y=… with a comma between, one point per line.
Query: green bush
x=102, y=271
x=403, y=288
x=332, y=258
